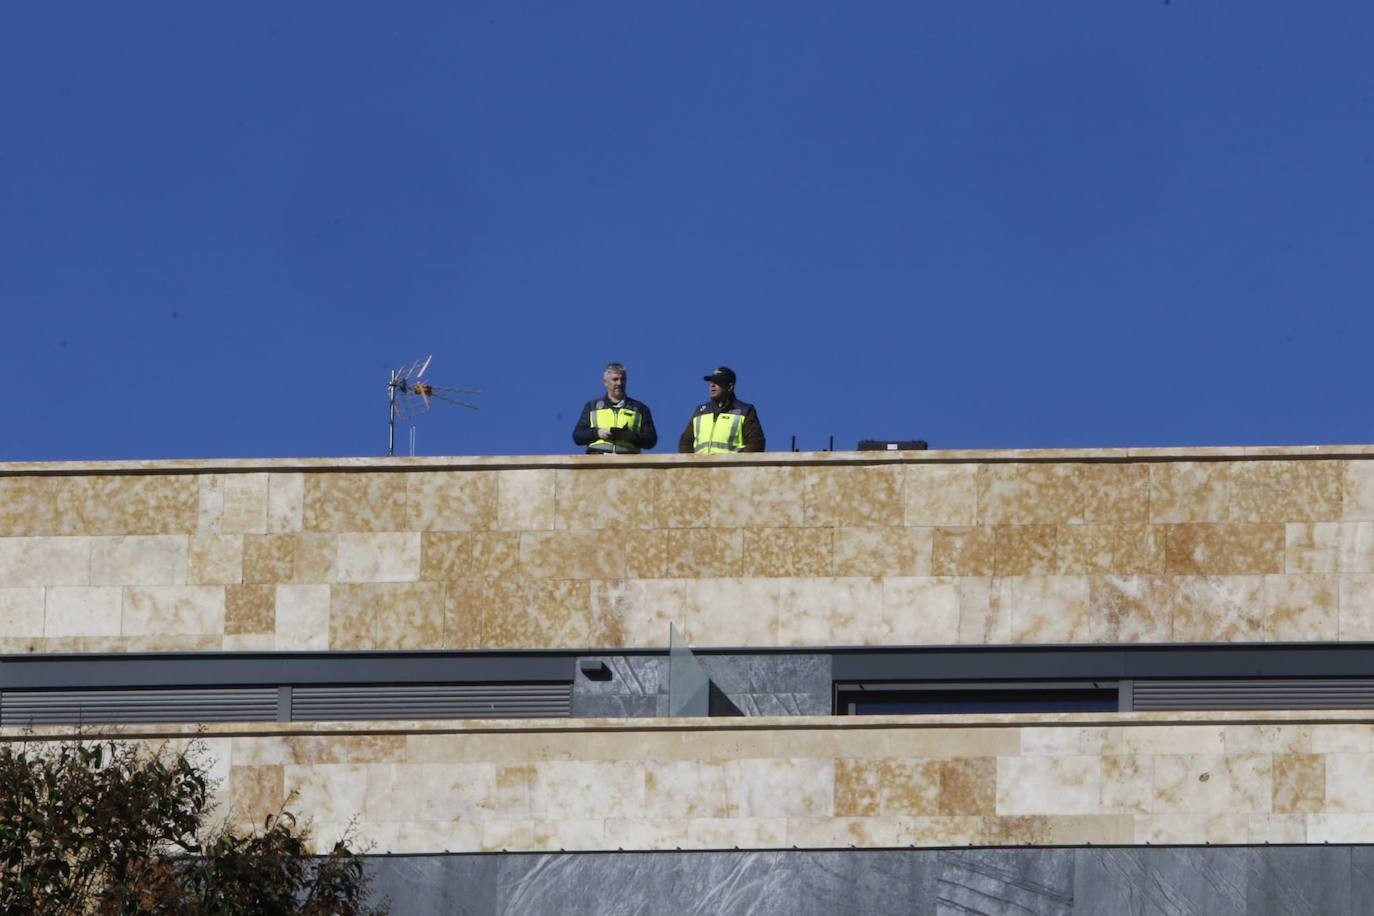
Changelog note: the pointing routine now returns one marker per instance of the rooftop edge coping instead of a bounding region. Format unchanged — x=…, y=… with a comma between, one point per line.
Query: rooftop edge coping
x=512, y=462
x=716, y=724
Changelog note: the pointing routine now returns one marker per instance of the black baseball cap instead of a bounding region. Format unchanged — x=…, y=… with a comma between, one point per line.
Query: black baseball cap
x=721, y=376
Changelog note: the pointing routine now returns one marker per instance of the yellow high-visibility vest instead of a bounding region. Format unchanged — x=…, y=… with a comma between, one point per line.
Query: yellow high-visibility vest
x=719, y=433
x=612, y=418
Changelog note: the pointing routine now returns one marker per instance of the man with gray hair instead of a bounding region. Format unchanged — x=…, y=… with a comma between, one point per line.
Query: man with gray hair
x=616, y=424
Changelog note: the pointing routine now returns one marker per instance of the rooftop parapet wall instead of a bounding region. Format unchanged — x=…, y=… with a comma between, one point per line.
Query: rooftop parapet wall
x=1174, y=778
x=781, y=549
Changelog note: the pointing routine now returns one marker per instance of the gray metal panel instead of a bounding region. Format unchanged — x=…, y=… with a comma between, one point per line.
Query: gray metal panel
x=53, y=707
x=439, y=701
x=1335, y=693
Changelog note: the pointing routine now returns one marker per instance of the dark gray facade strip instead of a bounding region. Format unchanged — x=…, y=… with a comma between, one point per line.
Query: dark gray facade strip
x=1216, y=881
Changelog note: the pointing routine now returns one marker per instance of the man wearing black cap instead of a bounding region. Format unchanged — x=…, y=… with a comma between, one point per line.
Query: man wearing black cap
x=723, y=424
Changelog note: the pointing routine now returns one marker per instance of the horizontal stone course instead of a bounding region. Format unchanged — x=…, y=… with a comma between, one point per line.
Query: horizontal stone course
x=1069, y=779
x=773, y=550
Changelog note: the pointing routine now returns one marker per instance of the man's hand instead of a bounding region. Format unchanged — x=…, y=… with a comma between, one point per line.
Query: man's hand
x=603, y=433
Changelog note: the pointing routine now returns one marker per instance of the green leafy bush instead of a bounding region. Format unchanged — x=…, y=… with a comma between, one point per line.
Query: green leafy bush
x=107, y=828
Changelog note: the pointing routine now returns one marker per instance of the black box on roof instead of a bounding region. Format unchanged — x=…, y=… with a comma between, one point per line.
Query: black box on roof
x=892, y=445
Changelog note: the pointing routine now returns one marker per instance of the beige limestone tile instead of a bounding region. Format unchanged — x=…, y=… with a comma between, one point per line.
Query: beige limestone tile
x=1355, y=553
x=244, y=507
x=525, y=500
x=268, y=559
x=255, y=792
x=1299, y=784
x=29, y=645
x=1049, y=785
x=302, y=617
x=150, y=504
x=1078, y=550
x=1176, y=829
x=1285, y=491
x=1213, y=784
x=214, y=559
x=249, y=642
x=775, y=552
x=426, y=792
x=614, y=498
x=285, y=503
x=541, y=614
x=392, y=556
x=963, y=551
x=883, y=551
x=1028, y=494
x=808, y=610
x=983, y=618
x=159, y=559
x=1127, y=784
x=635, y=833
x=372, y=748
x=886, y=787
x=1092, y=830
x=1116, y=494
x=628, y=613
x=754, y=497
x=1220, y=550
x=250, y=609
x=513, y=795
x=315, y=749
x=940, y=831
x=1024, y=550
x=354, y=501
x=1348, y=778
x=732, y=612
x=1356, y=607
x=1276, y=828
x=968, y=786
x=1175, y=739
x=1138, y=549
x=327, y=792
x=173, y=610
x=694, y=552
x=1268, y=739
x=448, y=555
x=44, y=561
x=1218, y=609
x=1312, y=547
x=175, y=642
x=782, y=787
x=1357, y=490
x=210, y=504
x=1070, y=740
x=854, y=496
x=834, y=832
x=315, y=558
x=387, y=615
x=1016, y=830
x=686, y=789
x=1345, y=738
x=21, y=612
x=736, y=832
x=1189, y=491
x=943, y=495
x=1301, y=608
x=685, y=495
x=451, y=500
x=581, y=789
x=1049, y=609
x=1131, y=609
x=81, y=611
x=920, y=610
x=592, y=555
x=28, y=506
x=1340, y=828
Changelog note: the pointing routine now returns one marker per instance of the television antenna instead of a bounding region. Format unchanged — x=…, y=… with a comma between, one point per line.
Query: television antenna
x=408, y=397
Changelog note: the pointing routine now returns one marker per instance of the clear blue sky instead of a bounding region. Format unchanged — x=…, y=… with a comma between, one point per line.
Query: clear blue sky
x=992, y=224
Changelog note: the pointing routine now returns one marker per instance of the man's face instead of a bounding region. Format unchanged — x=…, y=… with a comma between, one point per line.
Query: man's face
x=717, y=390
x=615, y=385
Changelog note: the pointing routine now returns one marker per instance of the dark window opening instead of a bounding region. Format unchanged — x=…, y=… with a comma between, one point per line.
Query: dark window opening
x=906, y=699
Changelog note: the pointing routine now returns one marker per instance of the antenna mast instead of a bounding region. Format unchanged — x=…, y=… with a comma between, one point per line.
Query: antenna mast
x=408, y=397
